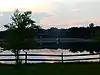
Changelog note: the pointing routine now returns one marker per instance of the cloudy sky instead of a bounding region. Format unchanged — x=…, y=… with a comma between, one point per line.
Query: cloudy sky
x=54, y=13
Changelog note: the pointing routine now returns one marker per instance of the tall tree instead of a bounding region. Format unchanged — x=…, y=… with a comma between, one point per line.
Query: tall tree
x=91, y=25
x=20, y=33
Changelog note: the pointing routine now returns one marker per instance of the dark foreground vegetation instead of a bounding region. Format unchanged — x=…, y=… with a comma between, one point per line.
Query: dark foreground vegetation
x=52, y=69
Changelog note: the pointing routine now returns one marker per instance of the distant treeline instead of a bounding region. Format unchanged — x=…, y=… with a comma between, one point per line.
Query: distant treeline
x=73, y=32
x=89, y=32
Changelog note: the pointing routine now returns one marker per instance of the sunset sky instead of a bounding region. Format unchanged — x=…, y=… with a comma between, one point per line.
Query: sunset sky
x=54, y=13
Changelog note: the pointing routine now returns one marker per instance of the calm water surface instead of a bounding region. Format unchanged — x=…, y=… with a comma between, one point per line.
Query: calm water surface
x=47, y=51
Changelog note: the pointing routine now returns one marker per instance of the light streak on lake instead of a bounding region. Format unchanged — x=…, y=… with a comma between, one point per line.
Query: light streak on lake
x=48, y=51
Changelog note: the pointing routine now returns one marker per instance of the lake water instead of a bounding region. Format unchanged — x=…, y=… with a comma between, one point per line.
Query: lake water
x=48, y=51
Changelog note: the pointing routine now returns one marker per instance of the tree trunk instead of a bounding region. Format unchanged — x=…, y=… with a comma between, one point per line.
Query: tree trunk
x=91, y=52
x=17, y=56
x=17, y=59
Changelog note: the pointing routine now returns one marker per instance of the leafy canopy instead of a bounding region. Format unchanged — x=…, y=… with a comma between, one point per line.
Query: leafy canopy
x=21, y=32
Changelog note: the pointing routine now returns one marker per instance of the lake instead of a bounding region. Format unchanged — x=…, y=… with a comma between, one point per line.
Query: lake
x=48, y=51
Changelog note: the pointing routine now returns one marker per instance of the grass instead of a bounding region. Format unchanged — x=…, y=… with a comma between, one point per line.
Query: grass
x=52, y=69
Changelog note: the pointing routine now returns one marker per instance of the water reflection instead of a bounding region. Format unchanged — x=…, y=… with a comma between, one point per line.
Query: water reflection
x=48, y=51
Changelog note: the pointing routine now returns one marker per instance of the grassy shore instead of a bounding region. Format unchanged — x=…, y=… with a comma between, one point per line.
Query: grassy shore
x=52, y=69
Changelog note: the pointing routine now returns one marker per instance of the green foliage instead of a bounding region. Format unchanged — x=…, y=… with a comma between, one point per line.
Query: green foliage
x=53, y=69
x=96, y=36
x=20, y=33
x=91, y=25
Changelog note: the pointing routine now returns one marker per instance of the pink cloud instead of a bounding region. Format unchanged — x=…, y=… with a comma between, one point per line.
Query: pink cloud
x=51, y=21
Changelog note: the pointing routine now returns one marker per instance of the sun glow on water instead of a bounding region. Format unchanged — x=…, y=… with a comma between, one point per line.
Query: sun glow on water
x=47, y=51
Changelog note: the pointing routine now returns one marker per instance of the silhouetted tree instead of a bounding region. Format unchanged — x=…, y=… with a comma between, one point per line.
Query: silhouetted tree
x=91, y=25
x=20, y=33
x=90, y=32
